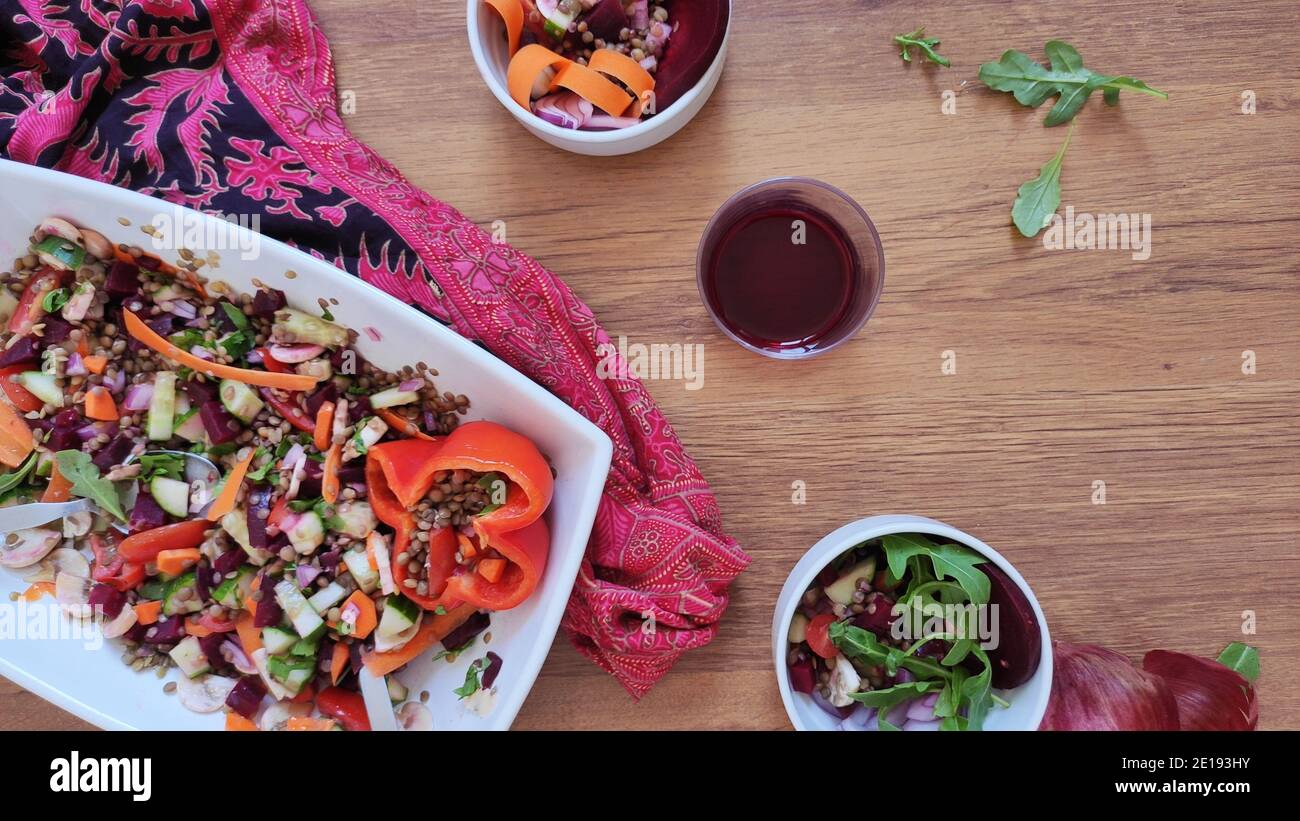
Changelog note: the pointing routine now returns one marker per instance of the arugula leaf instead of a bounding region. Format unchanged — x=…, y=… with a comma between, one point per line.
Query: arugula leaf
x=161, y=464
x=303, y=505
x=977, y=692
x=78, y=469
x=1068, y=80
x=857, y=643
x=237, y=317
x=891, y=696
x=55, y=300
x=1038, y=199
x=949, y=561
x=1241, y=658
x=11, y=480
x=925, y=44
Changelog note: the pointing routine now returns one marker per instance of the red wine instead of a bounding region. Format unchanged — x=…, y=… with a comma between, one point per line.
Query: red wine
x=783, y=278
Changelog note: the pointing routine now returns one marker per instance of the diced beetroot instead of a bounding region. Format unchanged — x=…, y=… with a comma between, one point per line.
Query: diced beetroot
x=878, y=622
x=114, y=453
x=136, y=633
x=149, y=263
x=168, y=630
x=329, y=561
x=211, y=645
x=230, y=561
x=354, y=360
x=257, y=524
x=109, y=598
x=493, y=670
x=700, y=27
x=246, y=696
x=474, y=625
x=1020, y=642
x=802, y=676
x=353, y=471
x=68, y=418
x=269, y=612
x=267, y=301
x=220, y=426
x=329, y=392
x=827, y=574
x=202, y=580
x=199, y=392
x=24, y=350
x=63, y=439
x=57, y=329
x=358, y=408
x=146, y=513
x=123, y=279
x=606, y=19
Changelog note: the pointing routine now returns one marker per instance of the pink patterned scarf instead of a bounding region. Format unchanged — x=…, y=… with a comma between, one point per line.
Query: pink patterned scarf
x=229, y=106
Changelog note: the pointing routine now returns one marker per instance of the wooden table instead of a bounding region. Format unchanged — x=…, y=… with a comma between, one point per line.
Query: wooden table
x=1073, y=367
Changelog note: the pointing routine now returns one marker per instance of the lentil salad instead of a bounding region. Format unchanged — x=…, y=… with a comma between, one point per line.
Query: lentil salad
x=350, y=518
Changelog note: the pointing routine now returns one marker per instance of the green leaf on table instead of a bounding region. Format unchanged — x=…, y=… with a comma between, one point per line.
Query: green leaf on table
x=1241, y=658
x=78, y=469
x=1068, y=80
x=1038, y=199
x=927, y=46
x=14, y=478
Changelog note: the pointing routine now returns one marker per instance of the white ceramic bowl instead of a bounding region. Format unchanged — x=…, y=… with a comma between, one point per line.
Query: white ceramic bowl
x=1028, y=701
x=98, y=687
x=487, y=41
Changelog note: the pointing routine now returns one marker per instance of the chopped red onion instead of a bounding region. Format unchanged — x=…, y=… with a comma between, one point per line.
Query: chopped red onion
x=658, y=36
x=912, y=725
x=182, y=309
x=295, y=354
x=565, y=109
x=233, y=653
x=201, y=352
x=306, y=574
x=650, y=63
x=372, y=333
x=411, y=385
x=293, y=457
x=138, y=396
x=254, y=357
x=75, y=366
x=116, y=382
x=641, y=14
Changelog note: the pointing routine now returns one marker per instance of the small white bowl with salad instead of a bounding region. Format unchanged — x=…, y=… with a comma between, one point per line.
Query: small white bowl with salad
x=657, y=61
x=899, y=622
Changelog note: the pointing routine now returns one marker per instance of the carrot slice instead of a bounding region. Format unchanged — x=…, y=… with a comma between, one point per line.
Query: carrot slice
x=147, y=336
x=329, y=483
x=324, y=426
x=250, y=638
x=15, y=437
x=338, y=661
x=95, y=364
x=100, y=405
x=147, y=612
x=301, y=724
x=236, y=723
x=198, y=631
x=528, y=62
x=226, y=501
x=491, y=569
x=432, y=631
x=37, y=590
x=594, y=88
x=59, y=489
x=176, y=562
x=367, y=620
x=402, y=425
x=467, y=548
x=83, y=348
x=626, y=69
x=512, y=14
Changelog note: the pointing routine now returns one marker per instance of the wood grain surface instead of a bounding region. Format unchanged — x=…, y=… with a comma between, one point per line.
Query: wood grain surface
x=1072, y=366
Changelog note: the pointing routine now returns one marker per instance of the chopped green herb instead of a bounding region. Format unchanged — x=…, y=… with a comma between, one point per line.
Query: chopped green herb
x=472, y=678
x=927, y=46
x=169, y=465
x=236, y=316
x=55, y=300
x=260, y=474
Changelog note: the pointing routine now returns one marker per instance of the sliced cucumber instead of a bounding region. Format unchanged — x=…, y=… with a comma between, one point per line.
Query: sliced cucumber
x=328, y=596
x=232, y=592
x=307, y=532
x=305, y=649
x=397, y=692
x=172, y=495
x=278, y=640
x=235, y=523
x=358, y=518
x=44, y=386
x=153, y=589
x=190, y=658
x=291, y=671
x=841, y=590
x=296, y=327
x=557, y=23
x=366, y=577
x=301, y=615
x=189, y=426
x=241, y=400
x=393, y=396
x=182, y=596
x=162, y=406
x=399, y=623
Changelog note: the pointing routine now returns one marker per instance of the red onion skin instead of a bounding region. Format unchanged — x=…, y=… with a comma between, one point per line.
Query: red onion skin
x=1209, y=695
x=1098, y=689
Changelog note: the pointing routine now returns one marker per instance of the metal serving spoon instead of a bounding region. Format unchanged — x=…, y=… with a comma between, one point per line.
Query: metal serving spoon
x=35, y=514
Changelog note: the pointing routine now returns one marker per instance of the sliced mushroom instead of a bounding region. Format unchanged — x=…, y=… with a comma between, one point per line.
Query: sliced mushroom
x=67, y=560
x=22, y=548
x=73, y=594
x=275, y=716
x=205, y=694
x=119, y=625
x=77, y=524
x=97, y=244
x=60, y=228
x=414, y=716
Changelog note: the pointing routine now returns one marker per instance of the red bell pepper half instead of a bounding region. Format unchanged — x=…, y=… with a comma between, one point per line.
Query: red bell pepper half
x=486, y=447
x=525, y=551
x=441, y=564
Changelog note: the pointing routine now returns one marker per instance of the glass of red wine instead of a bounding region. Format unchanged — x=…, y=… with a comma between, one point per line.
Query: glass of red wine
x=790, y=267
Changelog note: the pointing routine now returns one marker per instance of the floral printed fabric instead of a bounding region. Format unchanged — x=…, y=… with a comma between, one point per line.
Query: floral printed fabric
x=229, y=106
